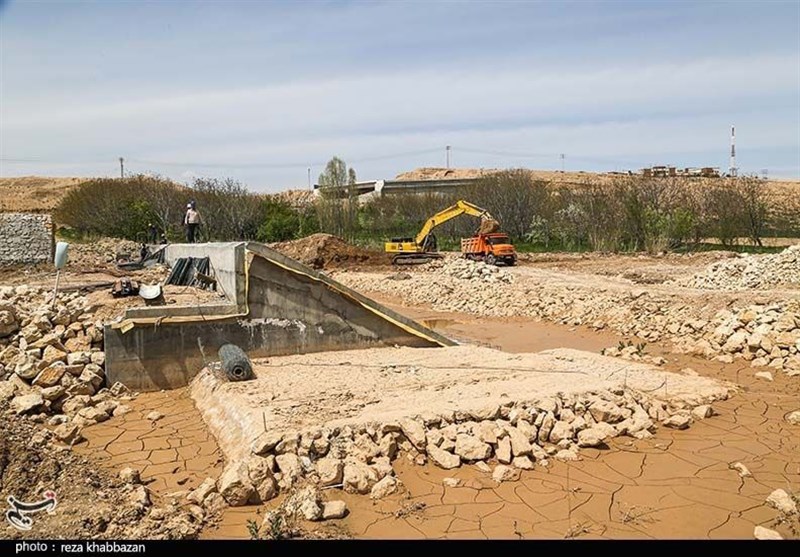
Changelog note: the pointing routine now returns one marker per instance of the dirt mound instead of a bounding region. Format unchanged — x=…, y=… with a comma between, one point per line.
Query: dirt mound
x=325, y=251
x=35, y=194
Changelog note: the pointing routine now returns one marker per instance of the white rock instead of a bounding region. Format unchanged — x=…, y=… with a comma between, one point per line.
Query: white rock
x=761, y=533
x=782, y=501
x=702, y=412
x=678, y=421
x=154, y=416
x=741, y=469
x=198, y=495
x=414, y=432
x=793, y=417
x=22, y=404
x=384, y=487
x=333, y=510
x=451, y=482
x=7, y=390
x=523, y=463
x=330, y=471
x=766, y=375
x=605, y=411
x=290, y=467
x=592, y=437
x=567, y=454
x=519, y=442
x=503, y=450
x=310, y=508
x=234, y=485
x=561, y=430
x=68, y=433
x=482, y=466
x=503, y=473
x=358, y=477
x=470, y=448
x=442, y=458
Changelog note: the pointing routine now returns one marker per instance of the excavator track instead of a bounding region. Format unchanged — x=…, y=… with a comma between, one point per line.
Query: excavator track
x=415, y=258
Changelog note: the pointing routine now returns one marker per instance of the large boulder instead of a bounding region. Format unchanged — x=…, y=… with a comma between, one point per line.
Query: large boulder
x=414, y=431
x=605, y=411
x=442, y=458
x=358, y=477
x=470, y=448
x=330, y=471
x=51, y=375
x=234, y=485
x=24, y=404
x=782, y=501
x=384, y=487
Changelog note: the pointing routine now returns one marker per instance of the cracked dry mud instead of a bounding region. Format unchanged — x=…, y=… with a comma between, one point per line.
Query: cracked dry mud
x=679, y=484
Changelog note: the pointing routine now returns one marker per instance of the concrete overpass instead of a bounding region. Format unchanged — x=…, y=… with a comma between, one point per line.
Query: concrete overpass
x=389, y=187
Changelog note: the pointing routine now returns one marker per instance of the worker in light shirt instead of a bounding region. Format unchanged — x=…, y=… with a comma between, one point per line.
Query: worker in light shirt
x=192, y=222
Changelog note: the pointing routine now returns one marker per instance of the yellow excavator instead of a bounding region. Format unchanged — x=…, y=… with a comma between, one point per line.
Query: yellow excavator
x=423, y=247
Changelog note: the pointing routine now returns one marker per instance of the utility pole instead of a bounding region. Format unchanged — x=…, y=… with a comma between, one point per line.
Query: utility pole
x=121, y=167
x=562, y=156
x=447, y=154
x=309, y=177
x=733, y=171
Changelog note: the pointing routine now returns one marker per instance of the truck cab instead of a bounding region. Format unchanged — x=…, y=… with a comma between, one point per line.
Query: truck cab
x=491, y=248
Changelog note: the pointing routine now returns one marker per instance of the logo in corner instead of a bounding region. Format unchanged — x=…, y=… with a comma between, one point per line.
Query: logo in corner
x=18, y=514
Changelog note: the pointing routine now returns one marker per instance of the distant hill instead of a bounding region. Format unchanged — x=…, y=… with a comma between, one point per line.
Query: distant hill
x=34, y=194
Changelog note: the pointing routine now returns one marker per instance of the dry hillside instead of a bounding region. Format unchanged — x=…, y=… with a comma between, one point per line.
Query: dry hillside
x=37, y=194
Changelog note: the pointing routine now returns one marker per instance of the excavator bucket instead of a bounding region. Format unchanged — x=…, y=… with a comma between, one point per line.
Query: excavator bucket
x=488, y=226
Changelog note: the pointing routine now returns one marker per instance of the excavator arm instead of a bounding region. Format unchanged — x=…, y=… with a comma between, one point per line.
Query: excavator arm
x=455, y=210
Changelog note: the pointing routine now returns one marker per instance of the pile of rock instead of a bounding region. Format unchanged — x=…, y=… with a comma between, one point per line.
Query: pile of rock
x=764, y=335
x=466, y=269
x=749, y=271
x=102, y=252
x=52, y=361
x=515, y=436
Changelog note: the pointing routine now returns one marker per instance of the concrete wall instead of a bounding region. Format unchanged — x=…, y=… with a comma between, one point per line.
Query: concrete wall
x=26, y=238
x=227, y=264
x=292, y=310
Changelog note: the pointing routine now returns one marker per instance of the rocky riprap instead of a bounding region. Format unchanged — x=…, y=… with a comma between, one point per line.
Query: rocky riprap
x=52, y=361
x=766, y=334
x=512, y=437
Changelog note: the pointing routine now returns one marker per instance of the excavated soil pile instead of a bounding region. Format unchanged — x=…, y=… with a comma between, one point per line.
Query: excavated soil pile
x=325, y=251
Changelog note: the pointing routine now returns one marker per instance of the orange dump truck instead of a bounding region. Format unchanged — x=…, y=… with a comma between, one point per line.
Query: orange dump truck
x=491, y=248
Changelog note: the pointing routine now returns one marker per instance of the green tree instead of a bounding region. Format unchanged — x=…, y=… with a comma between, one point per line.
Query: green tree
x=281, y=223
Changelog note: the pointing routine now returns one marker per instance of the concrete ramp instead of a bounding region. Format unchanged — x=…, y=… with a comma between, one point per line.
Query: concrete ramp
x=276, y=306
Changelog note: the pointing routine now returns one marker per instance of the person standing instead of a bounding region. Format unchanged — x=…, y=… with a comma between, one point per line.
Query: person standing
x=192, y=222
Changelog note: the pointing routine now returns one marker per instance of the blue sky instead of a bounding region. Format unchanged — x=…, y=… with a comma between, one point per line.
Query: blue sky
x=260, y=91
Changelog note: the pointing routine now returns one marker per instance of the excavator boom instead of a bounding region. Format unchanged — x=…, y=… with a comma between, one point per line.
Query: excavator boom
x=457, y=209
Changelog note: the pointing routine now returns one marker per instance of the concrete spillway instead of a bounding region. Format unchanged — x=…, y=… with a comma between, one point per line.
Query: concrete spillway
x=275, y=306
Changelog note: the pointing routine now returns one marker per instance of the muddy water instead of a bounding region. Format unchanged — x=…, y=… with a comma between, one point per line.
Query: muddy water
x=679, y=484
